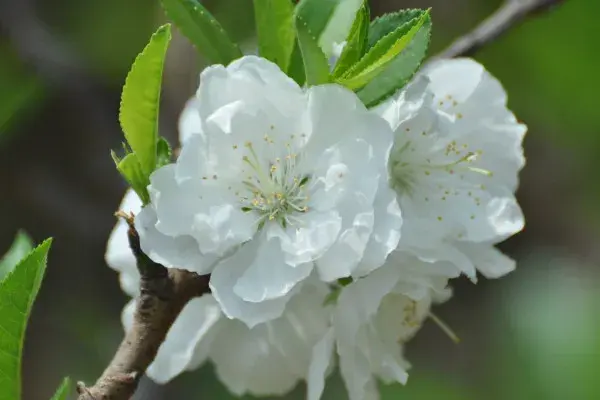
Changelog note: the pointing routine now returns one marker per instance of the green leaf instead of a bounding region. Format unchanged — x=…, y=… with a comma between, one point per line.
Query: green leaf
x=388, y=23
x=63, y=391
x=339, y=24
x=130, y=169
x=355, y=42
x=140, y=99
x=329, y=21
x=398, y=72
x=17, y=294
x=275, y=30
x=296, y=69
x=203, y=30
x=163, y=153
x=316, y=66
x=389, y=47
x=20, y=247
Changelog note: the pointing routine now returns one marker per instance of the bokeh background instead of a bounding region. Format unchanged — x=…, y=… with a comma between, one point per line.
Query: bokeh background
x=532, y=335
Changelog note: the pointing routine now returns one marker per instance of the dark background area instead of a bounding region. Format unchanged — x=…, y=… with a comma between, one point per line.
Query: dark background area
x=532, y=335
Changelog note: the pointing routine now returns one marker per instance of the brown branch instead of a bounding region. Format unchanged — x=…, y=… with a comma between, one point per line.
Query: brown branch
x=510, y=14
x=163, y=294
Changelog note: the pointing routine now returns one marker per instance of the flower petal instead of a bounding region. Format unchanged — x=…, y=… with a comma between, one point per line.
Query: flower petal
x=118, y=253
x=222, y=283
x=487, y=259
x=187, y=341
x=268, y=276
x=322, y=356
x=172, y=252
x=314, y=234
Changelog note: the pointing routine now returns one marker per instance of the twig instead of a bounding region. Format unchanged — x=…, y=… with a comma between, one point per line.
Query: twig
x=511, y=13
x=163, y=294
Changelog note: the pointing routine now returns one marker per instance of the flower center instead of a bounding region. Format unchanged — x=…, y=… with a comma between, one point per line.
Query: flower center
x=275, y=190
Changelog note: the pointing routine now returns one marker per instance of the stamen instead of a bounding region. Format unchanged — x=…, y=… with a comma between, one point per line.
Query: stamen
x=444, y=327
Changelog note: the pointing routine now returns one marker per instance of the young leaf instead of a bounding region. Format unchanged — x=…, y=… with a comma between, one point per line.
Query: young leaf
x=130, y=169
x=163, y=153
x=399, y=71
x=355, y=42
x=20, y=247
x=275, y=30
x=388, y=23
x=63, y=391
x=329, y=21
x=140, y=100
x=316, y=66
x=296, y=68
x=339, y=24
x=17, y=294
x=203, y=30
x=380, y=55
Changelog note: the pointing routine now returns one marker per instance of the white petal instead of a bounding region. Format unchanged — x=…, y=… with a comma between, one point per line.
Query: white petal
x=186, y=341
x=386, y=230
x=342, y=258
x=336, y=114
x=437, y=250
x=405, y=103
x=322, y=355
x=469, y=84
x=356, y=305
x=223, y=280
x=179, y=252
x=488, y=260
x=505, y=218
x=271, y=358
x=250, y=79
x=189, y=121
x=268, y=276
x=118, y=253
x=203, y=212
x=418, y=278
x=246, y=362
x=314, y=234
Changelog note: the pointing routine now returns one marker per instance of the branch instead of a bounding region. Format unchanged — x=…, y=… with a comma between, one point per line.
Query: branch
x=163, y=294
x=509, y=15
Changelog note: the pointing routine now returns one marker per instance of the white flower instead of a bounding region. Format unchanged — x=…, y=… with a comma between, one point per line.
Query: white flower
x=273, y=181
x=455, y=164
x=373, y=318
x=269, y=359
x=365, y=328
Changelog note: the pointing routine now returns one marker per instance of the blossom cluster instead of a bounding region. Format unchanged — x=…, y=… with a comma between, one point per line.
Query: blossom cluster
x=328, y=229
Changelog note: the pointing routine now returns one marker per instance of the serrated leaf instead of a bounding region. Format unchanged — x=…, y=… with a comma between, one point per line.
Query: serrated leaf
x=275, y=30
x=20, y=247
x=296, y=68
x=140, y=99
x=129, y=167
x=316, y=66
x=399, y=71
x=355, y=42
x=63, y=391
x=329, y=21
x=163, y=153
x=203, y=30
x=380, y=55
x=18, y=291
x=388, y=23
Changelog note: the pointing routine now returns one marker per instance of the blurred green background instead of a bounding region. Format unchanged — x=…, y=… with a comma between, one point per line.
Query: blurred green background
x=532, y=335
